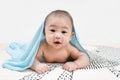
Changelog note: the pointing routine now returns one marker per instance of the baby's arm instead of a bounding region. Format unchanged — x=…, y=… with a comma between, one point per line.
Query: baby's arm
x=81, y=60
x=39, y=67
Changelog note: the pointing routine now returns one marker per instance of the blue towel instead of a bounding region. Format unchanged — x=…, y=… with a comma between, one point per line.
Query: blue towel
x=23, y=55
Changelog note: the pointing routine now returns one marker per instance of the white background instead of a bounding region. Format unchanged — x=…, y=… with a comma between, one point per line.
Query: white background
x=97, y=21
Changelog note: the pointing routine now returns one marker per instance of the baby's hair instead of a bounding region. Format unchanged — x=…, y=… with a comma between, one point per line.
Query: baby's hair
x=60, y=13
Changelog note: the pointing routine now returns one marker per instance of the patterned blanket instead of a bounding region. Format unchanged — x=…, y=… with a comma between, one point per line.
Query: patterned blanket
x=103, y=57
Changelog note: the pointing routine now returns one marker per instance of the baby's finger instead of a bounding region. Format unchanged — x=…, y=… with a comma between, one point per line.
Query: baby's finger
x=66, y=68
x=72, y=68
x=63, y=67
x=39, y=71
x=46, y=68
x=43, y=70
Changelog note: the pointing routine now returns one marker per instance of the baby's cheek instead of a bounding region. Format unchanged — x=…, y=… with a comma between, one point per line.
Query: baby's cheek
x=66, y=41
x=49, y=38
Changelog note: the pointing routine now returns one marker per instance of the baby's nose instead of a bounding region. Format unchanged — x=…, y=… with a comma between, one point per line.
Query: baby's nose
x=57, y=35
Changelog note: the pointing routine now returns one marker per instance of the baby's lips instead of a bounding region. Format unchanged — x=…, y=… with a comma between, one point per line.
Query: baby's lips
x=57, y=42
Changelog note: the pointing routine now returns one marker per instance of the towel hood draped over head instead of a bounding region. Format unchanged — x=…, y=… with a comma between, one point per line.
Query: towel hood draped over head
x=23, y=55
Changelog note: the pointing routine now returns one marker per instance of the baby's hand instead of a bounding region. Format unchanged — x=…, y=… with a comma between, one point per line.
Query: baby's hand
x=70, y=66
x=41, y=68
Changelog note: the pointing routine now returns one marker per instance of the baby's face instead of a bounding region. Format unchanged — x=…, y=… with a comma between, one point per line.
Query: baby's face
x=58, y=31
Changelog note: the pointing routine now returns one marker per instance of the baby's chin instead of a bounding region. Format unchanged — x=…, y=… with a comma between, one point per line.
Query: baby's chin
x=57, y=46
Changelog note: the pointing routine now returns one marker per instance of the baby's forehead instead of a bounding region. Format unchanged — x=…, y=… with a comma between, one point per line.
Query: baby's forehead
x=56, y=22
x=59, y=18
x=59, y=15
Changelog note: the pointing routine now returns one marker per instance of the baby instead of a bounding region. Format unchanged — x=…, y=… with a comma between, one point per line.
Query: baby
x=57, y=47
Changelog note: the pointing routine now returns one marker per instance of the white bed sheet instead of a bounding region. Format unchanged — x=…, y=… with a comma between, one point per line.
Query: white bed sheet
x=92, y=74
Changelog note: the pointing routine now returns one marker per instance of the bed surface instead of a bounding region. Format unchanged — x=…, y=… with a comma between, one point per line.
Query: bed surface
x=105, y=65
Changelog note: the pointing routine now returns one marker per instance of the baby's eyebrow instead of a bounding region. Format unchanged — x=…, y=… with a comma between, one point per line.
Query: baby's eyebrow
x=52, y=25
x=64, y=27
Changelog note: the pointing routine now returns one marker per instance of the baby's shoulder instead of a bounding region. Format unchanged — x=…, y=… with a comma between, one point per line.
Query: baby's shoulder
x=71, y=47
x=42, y=44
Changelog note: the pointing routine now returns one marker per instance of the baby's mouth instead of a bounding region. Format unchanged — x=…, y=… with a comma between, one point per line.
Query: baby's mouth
x=57, y=42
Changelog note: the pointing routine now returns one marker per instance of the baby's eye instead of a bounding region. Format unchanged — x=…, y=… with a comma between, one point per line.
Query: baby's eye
x=64, y=32
x=52, y=30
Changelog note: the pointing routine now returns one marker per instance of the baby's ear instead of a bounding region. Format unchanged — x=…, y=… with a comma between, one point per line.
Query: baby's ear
x=72, y=34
